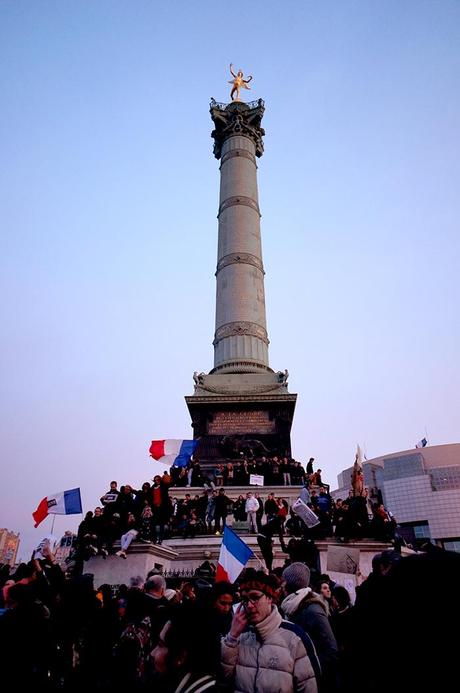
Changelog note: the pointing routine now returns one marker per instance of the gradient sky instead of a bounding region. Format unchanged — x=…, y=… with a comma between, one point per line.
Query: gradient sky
x=108, y=202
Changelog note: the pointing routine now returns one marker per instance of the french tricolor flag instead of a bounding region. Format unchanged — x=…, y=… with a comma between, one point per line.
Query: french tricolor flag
x=63, y=503
x=234, y=554
x=173, y=453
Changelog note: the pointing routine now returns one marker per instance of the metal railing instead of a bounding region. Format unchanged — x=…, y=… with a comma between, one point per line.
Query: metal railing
x=222, y=106
x=182, y=573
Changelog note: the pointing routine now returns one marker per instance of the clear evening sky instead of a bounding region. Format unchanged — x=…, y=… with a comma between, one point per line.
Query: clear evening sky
x=108, y=202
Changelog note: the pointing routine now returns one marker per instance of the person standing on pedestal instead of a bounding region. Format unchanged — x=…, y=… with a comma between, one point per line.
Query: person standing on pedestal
x=286, y=470
x=221, y=509
x=271, y=507
x=260, y=511
x=161, y=508
x=252, y=506
x=219, y=474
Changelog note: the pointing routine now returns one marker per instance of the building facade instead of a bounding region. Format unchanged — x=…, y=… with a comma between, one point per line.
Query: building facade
x=65, y=548
x=421, y=487
x=9, y=545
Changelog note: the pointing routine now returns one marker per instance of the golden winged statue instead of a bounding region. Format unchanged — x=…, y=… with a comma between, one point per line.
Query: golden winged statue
x=238, y=83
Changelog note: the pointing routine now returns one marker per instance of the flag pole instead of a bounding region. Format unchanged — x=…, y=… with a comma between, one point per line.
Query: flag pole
x=52, y=524
x=264, y=567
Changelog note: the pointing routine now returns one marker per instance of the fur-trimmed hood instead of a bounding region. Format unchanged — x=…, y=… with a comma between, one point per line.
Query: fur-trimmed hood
x=300, y=600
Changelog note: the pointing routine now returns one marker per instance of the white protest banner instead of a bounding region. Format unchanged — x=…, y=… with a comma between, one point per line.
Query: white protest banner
x=305, y=513
x=256, y=480
x=109, y=498
x=50, y=541
x=343, y=559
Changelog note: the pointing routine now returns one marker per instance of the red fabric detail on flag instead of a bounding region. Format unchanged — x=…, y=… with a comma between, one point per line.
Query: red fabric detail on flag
x=157, y=449
x=221, y=574
x=41, y=512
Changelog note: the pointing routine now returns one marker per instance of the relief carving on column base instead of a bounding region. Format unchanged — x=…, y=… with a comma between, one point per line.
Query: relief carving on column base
x=239, y=383
x=232, y=329
x=253, y=389
x=241, y=367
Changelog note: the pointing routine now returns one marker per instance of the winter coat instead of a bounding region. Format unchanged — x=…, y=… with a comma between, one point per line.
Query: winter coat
x=308, y=610
x=161, y=512
x=271, y=657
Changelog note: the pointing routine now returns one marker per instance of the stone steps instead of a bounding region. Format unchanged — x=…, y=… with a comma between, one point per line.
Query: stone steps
x=189, y=554
x=287, y=492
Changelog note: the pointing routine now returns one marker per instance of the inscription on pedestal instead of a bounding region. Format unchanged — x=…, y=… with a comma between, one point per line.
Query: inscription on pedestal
x=231, y=422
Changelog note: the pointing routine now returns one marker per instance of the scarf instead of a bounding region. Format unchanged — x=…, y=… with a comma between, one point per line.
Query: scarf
x=269, y=624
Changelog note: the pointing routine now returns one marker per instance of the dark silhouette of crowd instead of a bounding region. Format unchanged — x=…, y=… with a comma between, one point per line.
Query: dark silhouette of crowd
x=290, y=629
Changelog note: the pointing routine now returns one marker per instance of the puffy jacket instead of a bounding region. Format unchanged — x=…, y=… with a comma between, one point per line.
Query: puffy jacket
x=270, y=658
x=309, y=611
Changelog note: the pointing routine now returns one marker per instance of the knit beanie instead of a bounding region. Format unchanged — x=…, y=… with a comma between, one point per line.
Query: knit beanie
x=296, y=576
x=258, y=580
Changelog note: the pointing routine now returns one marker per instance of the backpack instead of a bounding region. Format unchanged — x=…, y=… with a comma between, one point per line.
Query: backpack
x=132, y=649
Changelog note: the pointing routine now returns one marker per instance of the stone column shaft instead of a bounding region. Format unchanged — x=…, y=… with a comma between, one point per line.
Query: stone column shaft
x=241, y=340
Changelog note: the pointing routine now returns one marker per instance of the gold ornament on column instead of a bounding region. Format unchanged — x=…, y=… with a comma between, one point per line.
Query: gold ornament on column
x=238, y=83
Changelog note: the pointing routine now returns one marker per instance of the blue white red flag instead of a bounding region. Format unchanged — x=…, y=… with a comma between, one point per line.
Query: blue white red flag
x=234, y=554
x=173, y=453
x=421, y=443
x=63, y=503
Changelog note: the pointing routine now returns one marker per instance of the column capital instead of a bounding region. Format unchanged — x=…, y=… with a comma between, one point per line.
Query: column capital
x=237, y=118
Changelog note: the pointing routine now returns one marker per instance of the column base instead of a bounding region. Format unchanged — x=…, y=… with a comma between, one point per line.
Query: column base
x=236, y=415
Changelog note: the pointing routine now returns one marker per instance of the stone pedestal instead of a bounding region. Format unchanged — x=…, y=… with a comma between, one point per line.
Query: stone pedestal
x=230, y=426
x=184, y=556
x=141, y=558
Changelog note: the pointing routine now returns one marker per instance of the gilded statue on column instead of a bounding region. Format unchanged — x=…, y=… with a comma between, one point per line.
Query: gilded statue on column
x=238, y=83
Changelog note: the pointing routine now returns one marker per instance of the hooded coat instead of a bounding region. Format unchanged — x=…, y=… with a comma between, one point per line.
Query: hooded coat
x=309, y=611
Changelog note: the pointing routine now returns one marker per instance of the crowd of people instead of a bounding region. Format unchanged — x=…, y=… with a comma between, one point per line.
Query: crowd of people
x=276, y=471
x=153, y=513
x=287, y=629
x=279, y=629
